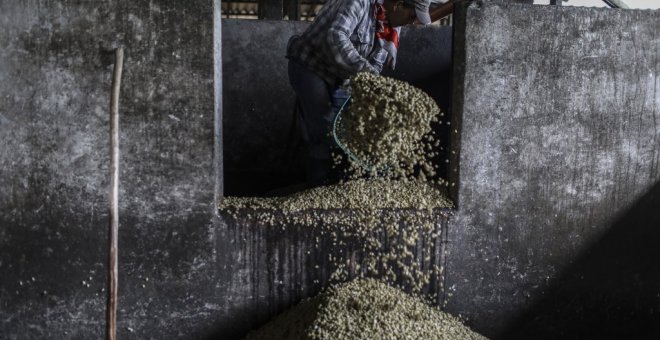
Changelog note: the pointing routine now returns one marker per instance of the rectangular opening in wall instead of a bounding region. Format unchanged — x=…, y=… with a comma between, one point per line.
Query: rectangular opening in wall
x=262, y=146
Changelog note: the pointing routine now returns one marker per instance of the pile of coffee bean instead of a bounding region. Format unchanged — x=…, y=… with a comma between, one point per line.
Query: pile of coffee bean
x=387, y=127
x=364, y=309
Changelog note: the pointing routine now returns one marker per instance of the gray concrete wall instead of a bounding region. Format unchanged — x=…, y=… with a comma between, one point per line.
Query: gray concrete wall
x=55, y=70
x=258, y=106
x=558, y=171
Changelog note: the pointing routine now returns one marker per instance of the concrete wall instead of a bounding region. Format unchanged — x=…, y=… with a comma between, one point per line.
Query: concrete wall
x=558, y=171
x=258, y=106
x=55, y=70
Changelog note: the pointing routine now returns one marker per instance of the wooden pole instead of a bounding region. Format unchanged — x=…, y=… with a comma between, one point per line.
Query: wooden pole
x=111, y=320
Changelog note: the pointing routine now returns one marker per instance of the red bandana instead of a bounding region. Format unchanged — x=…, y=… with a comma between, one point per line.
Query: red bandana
x=387, y=36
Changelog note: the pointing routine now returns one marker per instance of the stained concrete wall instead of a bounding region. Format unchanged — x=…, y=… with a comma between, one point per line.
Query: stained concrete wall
x=557, y=183
x=258, y=153
x=557, y=172
x=55, y=70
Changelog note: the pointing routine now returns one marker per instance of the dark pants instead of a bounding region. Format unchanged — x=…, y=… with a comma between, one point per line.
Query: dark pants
x=319, y=104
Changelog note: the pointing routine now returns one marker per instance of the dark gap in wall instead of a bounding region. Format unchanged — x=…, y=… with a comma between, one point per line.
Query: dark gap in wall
x=258, y=155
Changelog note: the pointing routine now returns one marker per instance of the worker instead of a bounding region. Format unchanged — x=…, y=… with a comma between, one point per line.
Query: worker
x=346, y=37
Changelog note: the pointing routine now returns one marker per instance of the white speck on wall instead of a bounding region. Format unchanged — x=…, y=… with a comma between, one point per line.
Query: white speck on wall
x=137, y=25
x=212, y=306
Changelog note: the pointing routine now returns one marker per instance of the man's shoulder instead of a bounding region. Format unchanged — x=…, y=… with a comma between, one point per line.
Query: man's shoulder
x=360, y=3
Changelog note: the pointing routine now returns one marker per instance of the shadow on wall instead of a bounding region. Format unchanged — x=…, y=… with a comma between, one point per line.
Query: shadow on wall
x=611, y=292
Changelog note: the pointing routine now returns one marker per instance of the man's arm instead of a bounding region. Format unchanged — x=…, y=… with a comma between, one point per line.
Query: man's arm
x=341, y=47
x=378, y=57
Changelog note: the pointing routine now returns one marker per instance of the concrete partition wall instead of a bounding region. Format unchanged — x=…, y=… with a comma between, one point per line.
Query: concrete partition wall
x=557, y=171
x=55, y=73
x=558, y=130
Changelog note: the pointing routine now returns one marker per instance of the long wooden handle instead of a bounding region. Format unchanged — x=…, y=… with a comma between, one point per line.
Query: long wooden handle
x=111, y=321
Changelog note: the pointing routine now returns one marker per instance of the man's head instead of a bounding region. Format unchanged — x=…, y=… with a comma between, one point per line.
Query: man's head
x=405, y=12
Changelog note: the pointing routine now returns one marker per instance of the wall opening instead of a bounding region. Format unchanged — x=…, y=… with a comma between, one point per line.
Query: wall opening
x=260, y=150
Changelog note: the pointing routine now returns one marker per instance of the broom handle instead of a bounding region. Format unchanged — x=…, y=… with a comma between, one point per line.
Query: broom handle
x=111, y=321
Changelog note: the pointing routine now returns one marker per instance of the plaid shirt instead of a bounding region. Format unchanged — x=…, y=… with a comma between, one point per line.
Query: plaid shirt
x=340, y=41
